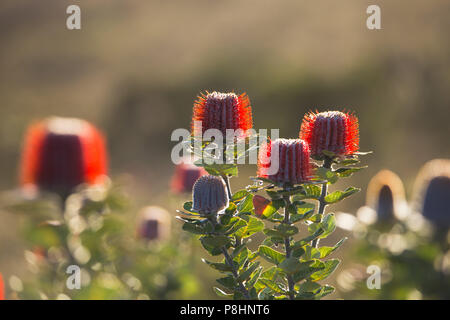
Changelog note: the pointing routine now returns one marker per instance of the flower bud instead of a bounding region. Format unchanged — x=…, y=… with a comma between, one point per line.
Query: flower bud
x=154, y=223
x=432, y=192
x=62, y=153
x=209, y=195
x=332, y=131
x=222, y=111
x=186, y=173
x=291, y=164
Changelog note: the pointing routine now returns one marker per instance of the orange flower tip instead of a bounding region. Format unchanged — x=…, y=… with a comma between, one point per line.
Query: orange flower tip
x=222, y=111
x=330, y=132
x=209, y=195
x=62, y=153
x=260, y=204
x=290, y=165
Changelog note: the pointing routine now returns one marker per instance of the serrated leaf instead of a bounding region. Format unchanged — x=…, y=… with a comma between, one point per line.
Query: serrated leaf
x=337, y=196
x=271, y=255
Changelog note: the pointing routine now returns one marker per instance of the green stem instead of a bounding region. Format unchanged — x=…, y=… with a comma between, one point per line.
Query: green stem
x=230, y=263
x=322, y=203
x=287, y=246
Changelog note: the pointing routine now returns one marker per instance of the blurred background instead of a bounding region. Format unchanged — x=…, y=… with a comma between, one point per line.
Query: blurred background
x=135, y=68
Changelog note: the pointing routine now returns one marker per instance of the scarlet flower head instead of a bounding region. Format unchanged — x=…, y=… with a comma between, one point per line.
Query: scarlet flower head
x=292, y=164
x=333, y=131
x=222, y=111
x=153, y=223
x=2, y=288
x=62, y=153
x=186, y=173
x=209, y=195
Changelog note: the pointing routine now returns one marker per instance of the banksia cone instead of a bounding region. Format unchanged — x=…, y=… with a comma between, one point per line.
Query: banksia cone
x=209, y=195
x=222, y=111
x=154, y=223
x=432, y=192
x=186, y=173
x=2, y=288
x=61, y=153
x=333, y=131
x=386, y=195
x=290, y=165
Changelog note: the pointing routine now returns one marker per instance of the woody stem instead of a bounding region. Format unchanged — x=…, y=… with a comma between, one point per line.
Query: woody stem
x=287, y=245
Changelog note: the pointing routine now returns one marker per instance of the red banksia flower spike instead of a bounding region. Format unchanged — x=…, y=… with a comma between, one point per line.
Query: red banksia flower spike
x=222, y=111
x=333, y=131
x=185, y=175
x=153, y=224
x=2, y=288
x=292, y=164
x=62, y=153
x=209, y=195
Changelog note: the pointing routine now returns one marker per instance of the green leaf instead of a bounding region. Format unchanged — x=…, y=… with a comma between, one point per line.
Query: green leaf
x=340, y=195
x=222, y=293
x=330, y=266
x=290, y=265
x=194, y=228
x=326, y=251
x=271, y=255
x=251, y=283
x=286, y=230
x=328, y=225
x=347, y=172
x=327, y=174
x=242, y=257
x=216, y=241
x=303, y=211
x=253, y=225
x=310, y=191
x=307, y=268
x=247, y=273
x=223, y=267
x=246, y=205
x=324, y=291
x=228, y=282
x=239, y=195
x=272, y=285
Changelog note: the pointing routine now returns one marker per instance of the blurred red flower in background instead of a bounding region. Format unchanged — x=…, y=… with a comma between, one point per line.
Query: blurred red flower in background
x=185, y=175
x=333, y=131
x=2, y=288
x=222, y=111
x=293, y=161
x=62, y=153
